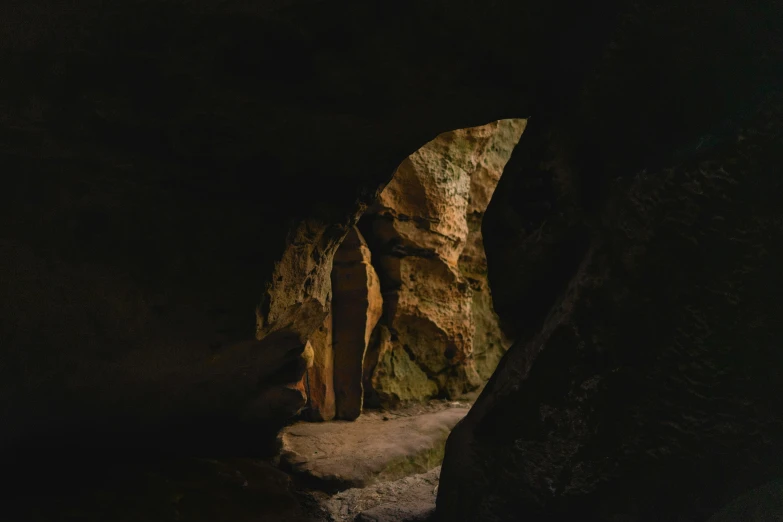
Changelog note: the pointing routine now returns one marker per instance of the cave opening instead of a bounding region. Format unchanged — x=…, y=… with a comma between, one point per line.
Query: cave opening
x=411, y=316
x=411, y=336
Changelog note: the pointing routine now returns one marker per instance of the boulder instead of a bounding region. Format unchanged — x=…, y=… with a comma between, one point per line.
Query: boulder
x=646, y=390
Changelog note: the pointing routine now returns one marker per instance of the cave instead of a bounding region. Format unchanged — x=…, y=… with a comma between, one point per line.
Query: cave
x=411, y=317
x=184, y=182
x=410, y=335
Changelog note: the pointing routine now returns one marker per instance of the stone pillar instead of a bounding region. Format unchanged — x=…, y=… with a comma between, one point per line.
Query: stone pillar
x=356, y=308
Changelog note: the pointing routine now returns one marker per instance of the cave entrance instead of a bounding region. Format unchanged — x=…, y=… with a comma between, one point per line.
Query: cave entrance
x=411, y=313
x=412, y=335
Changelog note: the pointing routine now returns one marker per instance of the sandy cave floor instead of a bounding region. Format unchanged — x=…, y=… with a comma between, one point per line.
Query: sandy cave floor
x=382, y=467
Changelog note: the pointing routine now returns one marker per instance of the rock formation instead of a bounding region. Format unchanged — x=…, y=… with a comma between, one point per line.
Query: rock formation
x=489, y=342
x=394, y=377
x=319, y=381
x=356, y=307
x=425, y=236
x=426, y=228
x=650, y=372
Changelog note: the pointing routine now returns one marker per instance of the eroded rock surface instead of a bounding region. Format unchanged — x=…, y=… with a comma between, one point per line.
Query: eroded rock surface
x=319, y=381
x=424, y=230
x=394, y=377
x=489, y=341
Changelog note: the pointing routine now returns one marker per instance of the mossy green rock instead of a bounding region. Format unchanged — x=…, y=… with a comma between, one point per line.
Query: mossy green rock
x=399, y=379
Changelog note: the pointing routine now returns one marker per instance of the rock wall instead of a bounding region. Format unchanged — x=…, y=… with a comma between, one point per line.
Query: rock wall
x=319, y=381
x=489, y=341
x=441, y=335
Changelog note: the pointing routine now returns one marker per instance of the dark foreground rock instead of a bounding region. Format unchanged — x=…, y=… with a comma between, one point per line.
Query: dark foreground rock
x=762, y=504
x=125, y=488
x=650, y=389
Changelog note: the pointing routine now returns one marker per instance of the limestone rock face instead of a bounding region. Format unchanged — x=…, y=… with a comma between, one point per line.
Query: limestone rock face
x=645, y=392
x=489, y=342
x=320, y=376
x=425, y=235
x=396, y=378
x=298, y=296
x=356, y=307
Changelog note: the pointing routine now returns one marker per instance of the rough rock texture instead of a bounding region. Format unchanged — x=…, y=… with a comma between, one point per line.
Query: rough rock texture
x=394, y=378
x=763, y=504
x=419, y=228
x=319, y=382
x=646, y=393
x=407, y=499
x=489, y=342
x=356, y=307
x=376, y=447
